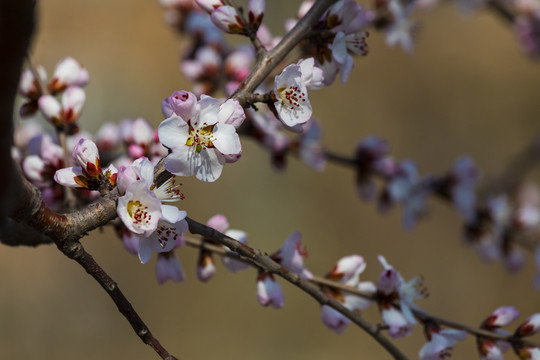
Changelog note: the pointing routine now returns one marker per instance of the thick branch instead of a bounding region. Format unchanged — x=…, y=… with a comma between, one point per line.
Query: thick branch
x=16, y=28
x=66, y=230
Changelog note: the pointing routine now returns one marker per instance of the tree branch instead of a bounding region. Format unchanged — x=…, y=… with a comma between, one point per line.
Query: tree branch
x=271, y=59
x=266, y=264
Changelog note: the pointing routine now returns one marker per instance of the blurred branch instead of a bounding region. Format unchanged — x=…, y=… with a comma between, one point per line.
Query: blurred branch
x=422, y=316
x=503, y=9
x=514, y=172
x=266, y=264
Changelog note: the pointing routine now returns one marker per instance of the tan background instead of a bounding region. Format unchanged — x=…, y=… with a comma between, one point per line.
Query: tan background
x=466, y=90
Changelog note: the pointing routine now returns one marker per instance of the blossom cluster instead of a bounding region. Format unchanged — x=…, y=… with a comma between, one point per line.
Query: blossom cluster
x=68, y=80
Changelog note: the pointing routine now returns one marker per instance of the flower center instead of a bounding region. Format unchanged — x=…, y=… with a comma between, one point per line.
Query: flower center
x=292, y=96
x=201, y=138
x=138, y=213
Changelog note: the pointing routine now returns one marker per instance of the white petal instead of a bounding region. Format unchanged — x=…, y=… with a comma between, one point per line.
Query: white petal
x=144, y=170
x=208, y=113
x=66, y=177
x=171, y=213
x=173, y=132
x=226, y=140
x=145, y=250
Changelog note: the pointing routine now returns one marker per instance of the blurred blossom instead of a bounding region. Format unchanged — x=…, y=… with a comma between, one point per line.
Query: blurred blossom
x=347, y=272
x=269, y=291
x=464, y=178
x=501, y=317
x=291, y=255
x=168, y=267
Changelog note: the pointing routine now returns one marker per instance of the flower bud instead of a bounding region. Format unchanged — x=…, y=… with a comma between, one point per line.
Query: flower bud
x=209, y=5
x=86, y=155
x=530, y=327
x=256, y=12
x=68, y=72
x=182, y=103
x=226, y=18
x=51, y=109
x=72, y=102
x=500, y=317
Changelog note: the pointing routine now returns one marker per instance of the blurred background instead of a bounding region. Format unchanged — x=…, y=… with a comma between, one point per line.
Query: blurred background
x=467, y=90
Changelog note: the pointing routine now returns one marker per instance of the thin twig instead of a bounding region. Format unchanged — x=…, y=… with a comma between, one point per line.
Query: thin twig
x=266, y=264
x=75, y=251
x=421, y=315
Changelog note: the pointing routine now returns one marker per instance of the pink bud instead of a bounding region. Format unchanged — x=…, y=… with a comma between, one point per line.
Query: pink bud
x=135, y=151
x=142, y=132
x=86, y=155
x=68, y=72
x=500, y=317
x=28, y=85
x=388, y=281
x=72, y=102
x=51, y=109
x=530, y=327
x=256, y=11
x=333, y=319
x=205, y=266
x=108, y=136
x=218, y=222
x=347, y=267
x=181, y=103
x=209, y=5
x=168, y=267
x=226, y=18
x=268, y=291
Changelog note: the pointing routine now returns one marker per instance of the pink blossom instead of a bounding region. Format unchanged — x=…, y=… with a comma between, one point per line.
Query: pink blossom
x=227, y=19
x=168, y=267
x=86, y=155
x=199, y=145
x=501, y=317
x=291, y=255
x=182, y=103
x=28, y=84
x=292, y=102
x=108, y=137
x=205, y=266
x=347, y=272
x=530, y=327
x=333, y=319
x=68, y=72
x=440, y=345
x=209, y=5
x=269, y=291
x=256, y=11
